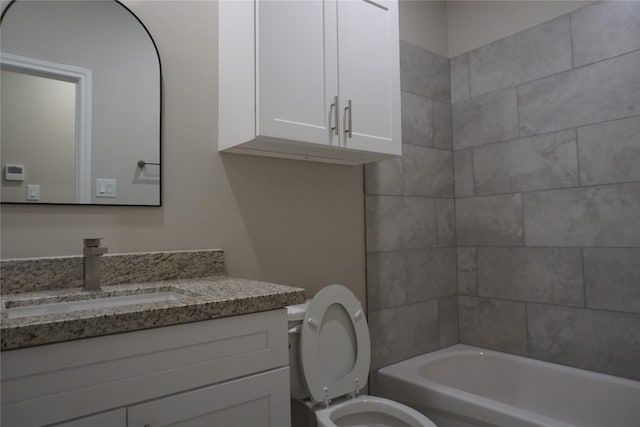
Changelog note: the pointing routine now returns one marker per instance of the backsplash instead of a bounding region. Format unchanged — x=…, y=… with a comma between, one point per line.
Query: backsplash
x=45, y=274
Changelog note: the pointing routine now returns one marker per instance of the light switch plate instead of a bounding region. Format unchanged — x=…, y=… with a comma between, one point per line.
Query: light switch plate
x=33, y=192
x=105, y=187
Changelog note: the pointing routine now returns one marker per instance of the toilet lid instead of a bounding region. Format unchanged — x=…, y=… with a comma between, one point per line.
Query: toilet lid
x=335, y=350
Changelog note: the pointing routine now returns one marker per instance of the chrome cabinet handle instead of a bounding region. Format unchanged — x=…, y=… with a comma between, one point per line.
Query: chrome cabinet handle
x=349, y=130
x=334, y=107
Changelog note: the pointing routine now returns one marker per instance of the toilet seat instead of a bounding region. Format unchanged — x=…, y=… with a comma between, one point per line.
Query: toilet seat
x=335, y=349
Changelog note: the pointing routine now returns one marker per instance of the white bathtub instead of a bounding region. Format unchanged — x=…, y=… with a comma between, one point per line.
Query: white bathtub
x=463, y=386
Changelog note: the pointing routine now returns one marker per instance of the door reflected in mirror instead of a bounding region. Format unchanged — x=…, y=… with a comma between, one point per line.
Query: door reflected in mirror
x=80, y=105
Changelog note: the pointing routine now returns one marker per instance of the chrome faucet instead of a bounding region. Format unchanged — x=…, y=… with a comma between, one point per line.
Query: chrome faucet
x=92, y=251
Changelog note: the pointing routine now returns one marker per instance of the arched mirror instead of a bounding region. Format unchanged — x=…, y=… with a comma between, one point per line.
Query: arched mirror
x=80, y=105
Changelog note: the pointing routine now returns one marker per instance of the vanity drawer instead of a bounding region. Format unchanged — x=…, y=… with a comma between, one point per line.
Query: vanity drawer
x=57, y=382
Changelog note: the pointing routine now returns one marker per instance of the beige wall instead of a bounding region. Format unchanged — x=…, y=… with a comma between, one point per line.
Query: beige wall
x=424, y=23
x=285, y=221
x=471, y=24
x=453, y=27
x=38, y=131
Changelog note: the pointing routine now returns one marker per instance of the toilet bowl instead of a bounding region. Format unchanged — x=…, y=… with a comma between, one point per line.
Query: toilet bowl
x=371, y=411
x=329, y=359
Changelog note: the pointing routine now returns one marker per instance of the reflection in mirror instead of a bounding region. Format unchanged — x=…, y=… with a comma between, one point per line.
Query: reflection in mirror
x=80, y=105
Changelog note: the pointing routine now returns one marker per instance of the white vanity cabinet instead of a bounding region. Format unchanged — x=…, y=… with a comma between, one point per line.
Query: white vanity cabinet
x=255, y=401
x=115, y=418
x=231, y=371
x=315, y=79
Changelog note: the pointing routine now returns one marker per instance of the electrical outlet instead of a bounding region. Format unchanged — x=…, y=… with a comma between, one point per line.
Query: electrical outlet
x=105, y=187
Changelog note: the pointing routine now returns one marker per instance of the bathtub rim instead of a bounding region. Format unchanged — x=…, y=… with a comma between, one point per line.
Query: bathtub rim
x=469, y=349
x=443, y=397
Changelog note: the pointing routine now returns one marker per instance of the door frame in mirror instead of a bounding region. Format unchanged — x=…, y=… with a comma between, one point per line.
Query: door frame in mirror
x=82, y=78
x=86, y=188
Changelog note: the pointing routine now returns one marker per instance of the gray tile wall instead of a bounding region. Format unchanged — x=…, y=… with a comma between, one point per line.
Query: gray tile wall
x=525, y=56
x=411, y=245
x=512, y=221
x=546, y=133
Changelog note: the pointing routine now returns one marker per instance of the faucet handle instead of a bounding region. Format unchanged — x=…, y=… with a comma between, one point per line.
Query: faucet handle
x=93, y=242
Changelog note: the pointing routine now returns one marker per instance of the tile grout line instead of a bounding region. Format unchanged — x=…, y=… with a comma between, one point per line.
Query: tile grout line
x=526, y=82
x=476, y=265
x=404, y=277
x=584, y=281
x=473, y=173
x=402, y=248
x=522, y=198
x=546, y=133
x=578, y=158
x=366, y=253
x=411, y=196
x=526, y=327
x=455, y=232
x=431, y=109
x=428, y=146
x=571, y=39
x=556, y=305
x=469, y=75
x=436, y=215
x=579, y=67
x=403, y=253
x=519, y=32
x=518, y=112
x=402, y=173
x=455, y=211
x=522, y=216
x=545, y=190
x=422, y=95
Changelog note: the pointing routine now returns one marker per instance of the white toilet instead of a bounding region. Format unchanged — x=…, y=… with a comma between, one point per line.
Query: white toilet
x=330, y=355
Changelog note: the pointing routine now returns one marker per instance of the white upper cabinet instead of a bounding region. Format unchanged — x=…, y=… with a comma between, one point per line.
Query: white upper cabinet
x=310, y=79
x=297, y=67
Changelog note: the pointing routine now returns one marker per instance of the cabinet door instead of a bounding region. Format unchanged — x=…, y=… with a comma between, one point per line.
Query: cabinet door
x=296, y=69
x=369, y=75
x=260, y=400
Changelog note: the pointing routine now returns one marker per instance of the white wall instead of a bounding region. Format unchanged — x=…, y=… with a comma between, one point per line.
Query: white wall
x=471, y=24
x=285, y=221
x=424, y=23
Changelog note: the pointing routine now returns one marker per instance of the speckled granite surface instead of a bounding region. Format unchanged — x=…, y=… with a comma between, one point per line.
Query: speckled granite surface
x=198, y=299
x=43, y=274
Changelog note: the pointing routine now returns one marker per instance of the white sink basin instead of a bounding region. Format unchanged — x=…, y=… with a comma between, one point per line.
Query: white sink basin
x=90, y=304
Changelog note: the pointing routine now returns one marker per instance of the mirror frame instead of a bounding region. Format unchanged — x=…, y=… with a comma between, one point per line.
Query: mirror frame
x=160, y=116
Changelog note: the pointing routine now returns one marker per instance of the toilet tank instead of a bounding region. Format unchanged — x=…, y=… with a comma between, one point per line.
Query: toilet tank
x=295, y=316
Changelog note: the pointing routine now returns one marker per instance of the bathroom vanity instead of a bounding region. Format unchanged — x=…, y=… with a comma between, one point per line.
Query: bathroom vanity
x=221, y=371
x=215, y=353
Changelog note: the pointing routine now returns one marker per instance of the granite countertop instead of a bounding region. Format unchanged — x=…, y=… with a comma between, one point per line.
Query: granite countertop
x=195, y=299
